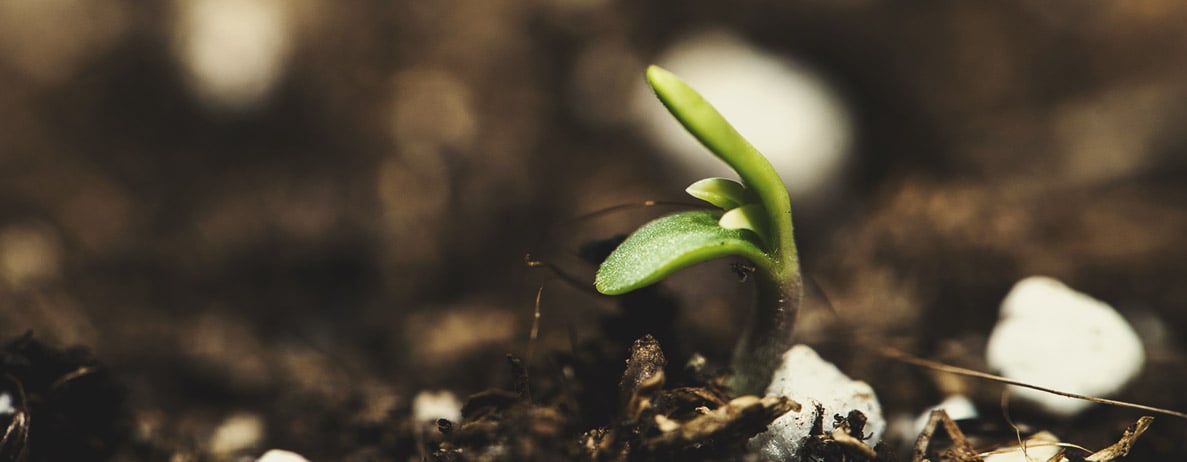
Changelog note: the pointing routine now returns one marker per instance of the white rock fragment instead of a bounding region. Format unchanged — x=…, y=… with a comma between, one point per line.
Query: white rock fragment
x=810, y=380
x=1039, y=447
x=234, y=51
x=1052, y=336
x=788, y=111
x=237, y=433
x=6, y=404
x=280, y=455
x=429, y=406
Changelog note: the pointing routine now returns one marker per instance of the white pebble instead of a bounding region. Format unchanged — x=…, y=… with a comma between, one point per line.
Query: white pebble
x=1039, y=447
x=234, y=51
x=280, y=455
x=237, y=433
x=6, y=404
x=429, y=406
x=1052, y=336
x=808, y=379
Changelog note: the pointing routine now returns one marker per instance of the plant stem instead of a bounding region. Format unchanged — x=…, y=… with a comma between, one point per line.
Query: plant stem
x=767, y=334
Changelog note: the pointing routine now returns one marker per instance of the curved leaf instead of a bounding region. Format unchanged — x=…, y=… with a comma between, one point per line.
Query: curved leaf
x=722, y=192
x=751, y=217
x=703, y=121
x=672, y=243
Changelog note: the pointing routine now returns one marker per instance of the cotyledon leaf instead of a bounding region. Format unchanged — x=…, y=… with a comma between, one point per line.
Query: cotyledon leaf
x=722, y=192
x=672, y=243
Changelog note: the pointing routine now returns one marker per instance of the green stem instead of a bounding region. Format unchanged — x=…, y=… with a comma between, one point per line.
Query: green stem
x=767, y=334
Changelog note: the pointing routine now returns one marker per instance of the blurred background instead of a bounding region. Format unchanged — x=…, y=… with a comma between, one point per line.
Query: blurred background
x=298, y=213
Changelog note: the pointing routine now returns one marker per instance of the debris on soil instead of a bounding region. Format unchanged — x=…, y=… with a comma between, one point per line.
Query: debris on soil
x=1042, y=445
x=958, y=407
x=739, y=419
x=846, y=442
x=653, y=421
x=644, y=377
x=1121, y=448
x=64, y=405
x=960, y=449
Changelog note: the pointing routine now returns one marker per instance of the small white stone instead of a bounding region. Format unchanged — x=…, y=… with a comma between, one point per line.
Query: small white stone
x=6, y=404
x=1052, y=336
x=808, y=379
x=429, y=406
x=280, y=455
x=234, y=51
x=1039, y=447
x=237, y=433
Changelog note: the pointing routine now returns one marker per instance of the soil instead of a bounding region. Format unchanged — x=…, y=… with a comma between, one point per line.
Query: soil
x=183, y=280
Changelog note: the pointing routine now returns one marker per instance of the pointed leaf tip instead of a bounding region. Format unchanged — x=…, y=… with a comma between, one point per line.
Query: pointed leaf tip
x=722, y=192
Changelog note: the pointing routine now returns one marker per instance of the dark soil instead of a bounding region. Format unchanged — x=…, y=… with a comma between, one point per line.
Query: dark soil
x=303, y=268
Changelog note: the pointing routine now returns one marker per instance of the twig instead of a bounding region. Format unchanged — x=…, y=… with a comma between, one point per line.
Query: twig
x=531, y=353
x=941, y=367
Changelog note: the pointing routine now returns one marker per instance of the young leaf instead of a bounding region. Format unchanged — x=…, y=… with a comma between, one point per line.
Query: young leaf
x=722, y=192
x=714, y=132
x=672, y=243
x=751, y=217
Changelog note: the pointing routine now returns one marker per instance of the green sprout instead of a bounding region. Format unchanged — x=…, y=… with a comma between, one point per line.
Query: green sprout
x=754, y=223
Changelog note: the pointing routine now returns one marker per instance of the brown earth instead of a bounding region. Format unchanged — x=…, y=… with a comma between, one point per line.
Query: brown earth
x=306, y=267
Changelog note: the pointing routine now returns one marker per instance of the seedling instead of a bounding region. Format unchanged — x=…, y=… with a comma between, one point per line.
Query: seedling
x=754, y=222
